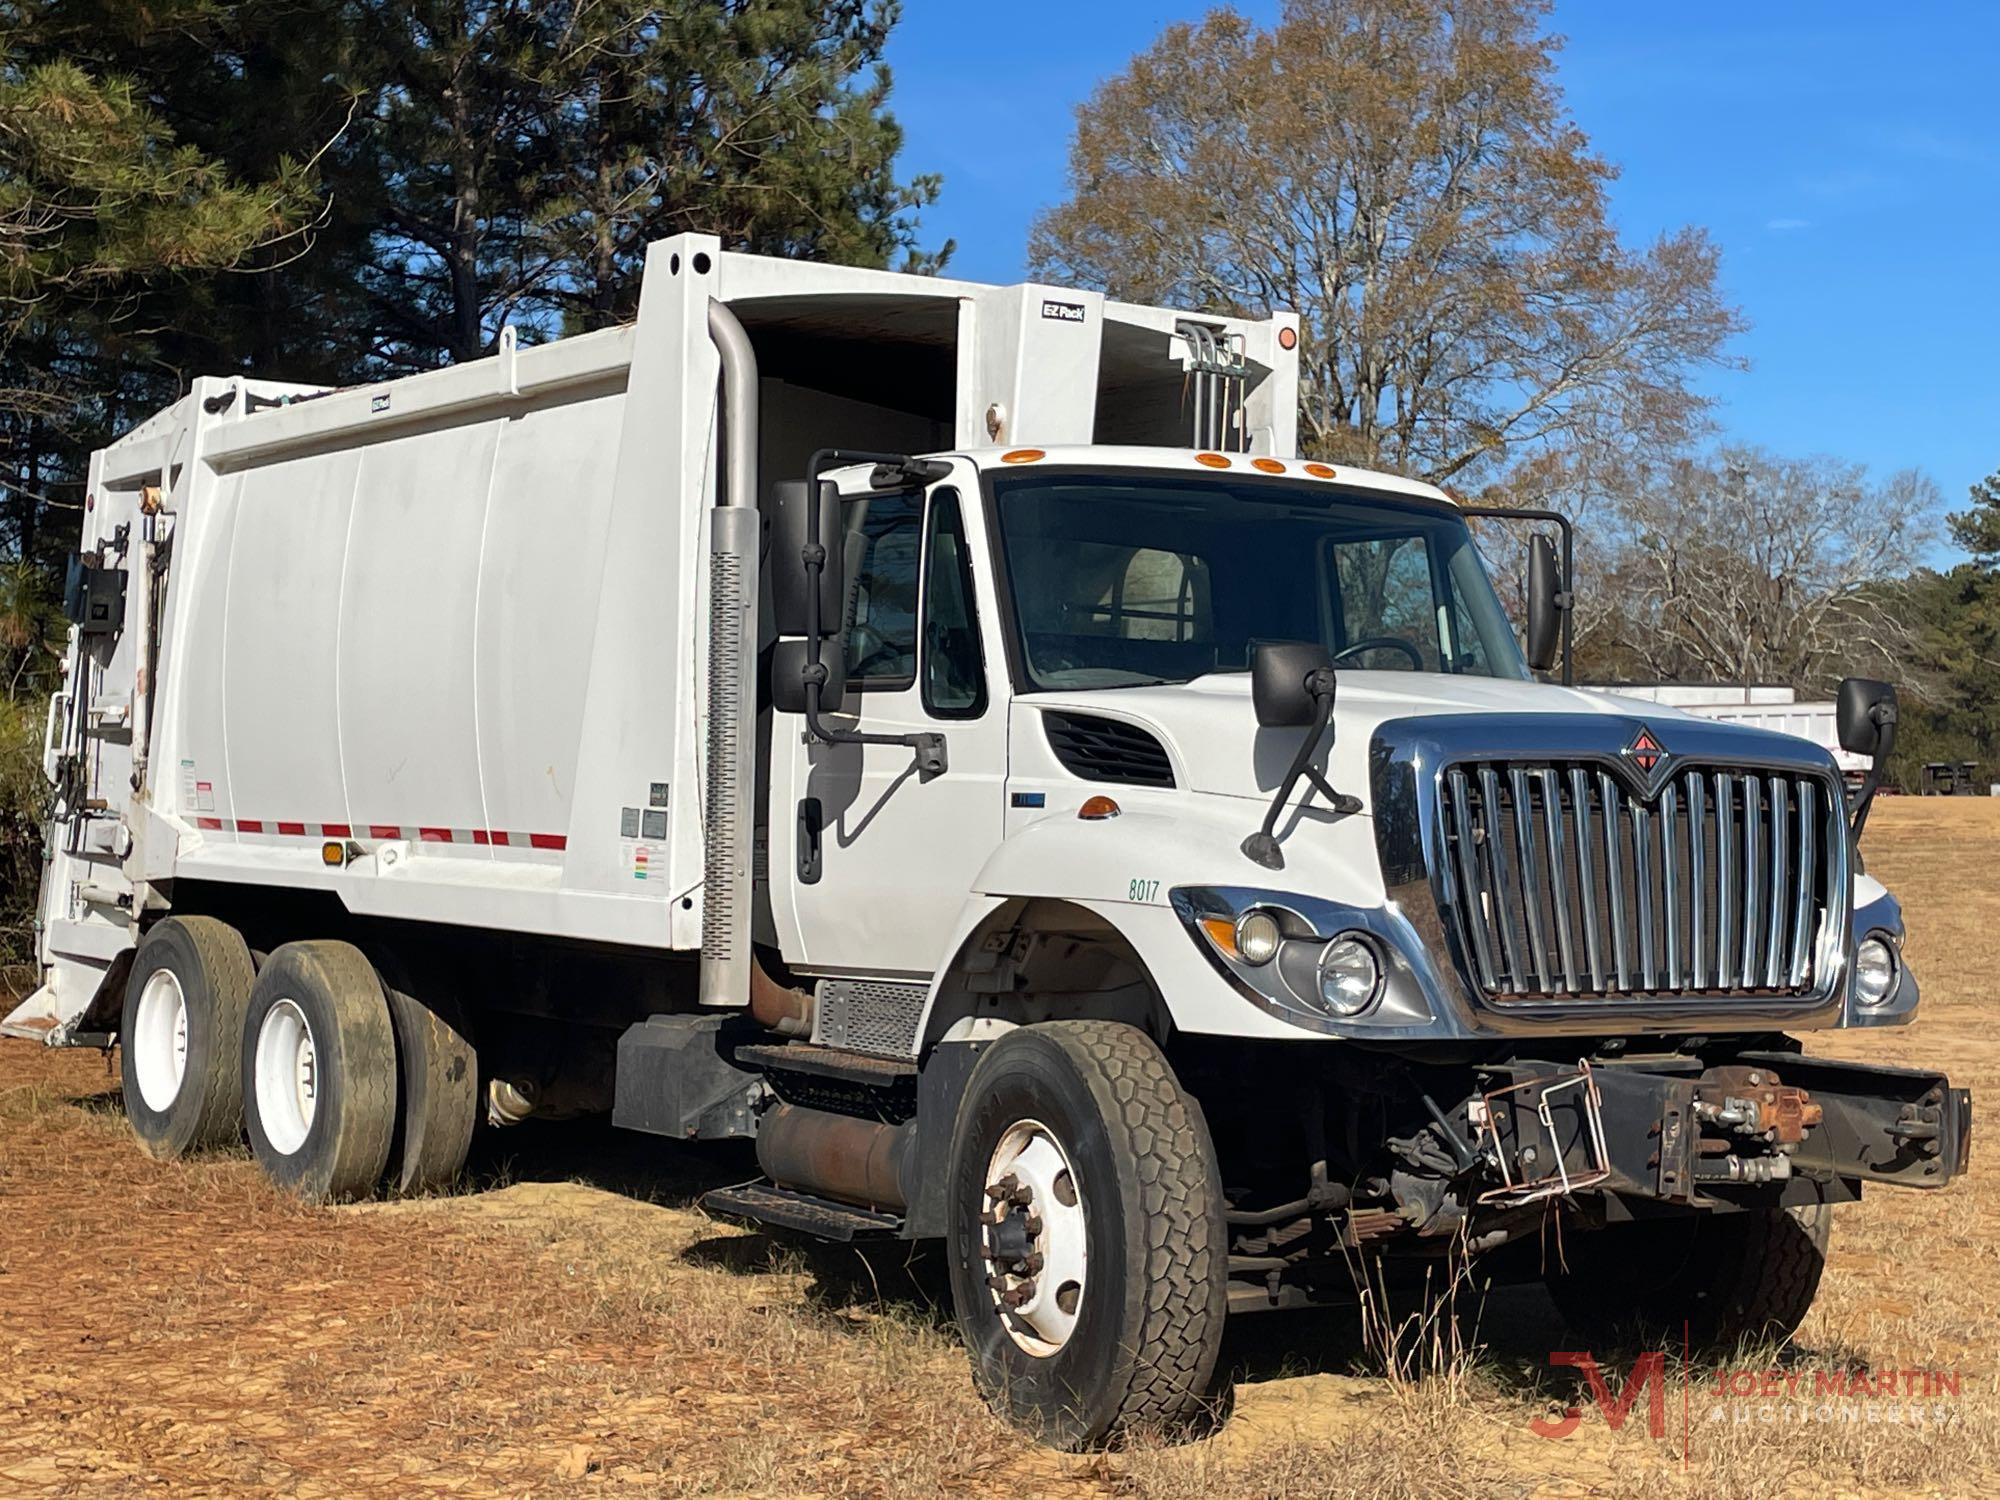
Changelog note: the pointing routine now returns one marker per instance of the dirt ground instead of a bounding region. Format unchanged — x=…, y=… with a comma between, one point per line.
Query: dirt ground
x=571, y=1324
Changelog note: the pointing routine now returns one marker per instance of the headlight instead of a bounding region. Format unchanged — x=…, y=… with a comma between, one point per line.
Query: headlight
x=1315, y=964
x=1350, y=975
x=1874, y=970
x=1257, y=937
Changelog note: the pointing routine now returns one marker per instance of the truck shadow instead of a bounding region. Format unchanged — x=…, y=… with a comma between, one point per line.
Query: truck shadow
x=1507, y=1332
x=1515, y=1327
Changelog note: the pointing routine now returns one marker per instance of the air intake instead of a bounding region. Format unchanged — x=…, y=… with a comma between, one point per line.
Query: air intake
x=1108, y=750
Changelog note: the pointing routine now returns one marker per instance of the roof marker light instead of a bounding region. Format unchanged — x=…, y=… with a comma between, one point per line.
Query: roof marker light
x=1023, y=456
x=1267, y=465
x=1212, y=460
x=1320, y=471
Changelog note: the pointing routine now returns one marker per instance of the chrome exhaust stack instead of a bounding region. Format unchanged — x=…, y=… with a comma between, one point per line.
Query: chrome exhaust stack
x=729, y=783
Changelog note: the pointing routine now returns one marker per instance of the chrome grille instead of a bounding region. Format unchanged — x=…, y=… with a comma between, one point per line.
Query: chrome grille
x=1561, y=882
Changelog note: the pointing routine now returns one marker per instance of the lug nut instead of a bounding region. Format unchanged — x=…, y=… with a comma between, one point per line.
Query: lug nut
x=1030, y=1263
x=1032, y=1223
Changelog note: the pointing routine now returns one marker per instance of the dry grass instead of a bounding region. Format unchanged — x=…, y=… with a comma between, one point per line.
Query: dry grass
x=575, y=1326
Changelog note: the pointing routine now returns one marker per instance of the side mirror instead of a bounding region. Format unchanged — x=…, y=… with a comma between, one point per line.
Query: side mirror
x=791, y=593
x=1866, y=716
x=1285, y=681
x=1545, y=603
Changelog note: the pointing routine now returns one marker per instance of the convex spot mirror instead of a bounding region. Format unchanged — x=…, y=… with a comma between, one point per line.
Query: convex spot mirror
x=788, y=675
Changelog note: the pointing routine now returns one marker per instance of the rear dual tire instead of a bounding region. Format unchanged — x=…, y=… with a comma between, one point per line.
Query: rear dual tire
x=180, y=1033
x=319, y=1071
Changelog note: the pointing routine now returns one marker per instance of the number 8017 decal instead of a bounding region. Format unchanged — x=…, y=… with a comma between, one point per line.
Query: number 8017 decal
x=1143, y=890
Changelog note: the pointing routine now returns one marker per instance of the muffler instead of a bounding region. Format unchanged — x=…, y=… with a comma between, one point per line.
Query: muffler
x=862, y=1162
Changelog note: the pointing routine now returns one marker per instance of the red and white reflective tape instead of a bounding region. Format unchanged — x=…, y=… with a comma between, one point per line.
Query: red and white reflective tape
x=495, y=838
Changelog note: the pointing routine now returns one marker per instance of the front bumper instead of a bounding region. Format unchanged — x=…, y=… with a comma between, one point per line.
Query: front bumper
x=1760, y=1128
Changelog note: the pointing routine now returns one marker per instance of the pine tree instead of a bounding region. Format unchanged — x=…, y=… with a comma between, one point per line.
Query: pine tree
x=101, y=209
x=1957, y=715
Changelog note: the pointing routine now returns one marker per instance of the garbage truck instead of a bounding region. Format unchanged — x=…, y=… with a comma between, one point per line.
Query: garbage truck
x=944, y=734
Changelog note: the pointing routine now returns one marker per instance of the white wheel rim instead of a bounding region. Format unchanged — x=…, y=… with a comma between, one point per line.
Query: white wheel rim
x=287, y=1077
x=1029, y=1182
x=159, y=1040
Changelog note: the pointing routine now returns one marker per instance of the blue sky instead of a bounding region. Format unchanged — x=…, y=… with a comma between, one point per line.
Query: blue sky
x=1846, y=164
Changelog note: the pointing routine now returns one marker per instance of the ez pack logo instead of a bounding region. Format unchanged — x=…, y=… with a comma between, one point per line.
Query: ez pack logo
x=1063, y=312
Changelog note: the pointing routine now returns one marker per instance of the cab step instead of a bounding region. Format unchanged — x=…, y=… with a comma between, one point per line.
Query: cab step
x=781, y=1208
x=835, y=1063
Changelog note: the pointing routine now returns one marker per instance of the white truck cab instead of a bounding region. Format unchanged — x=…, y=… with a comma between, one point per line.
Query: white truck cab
x=945, y=734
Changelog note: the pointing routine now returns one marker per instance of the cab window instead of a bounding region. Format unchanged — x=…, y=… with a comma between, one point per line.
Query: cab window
x=882, y=630
x=954, y=668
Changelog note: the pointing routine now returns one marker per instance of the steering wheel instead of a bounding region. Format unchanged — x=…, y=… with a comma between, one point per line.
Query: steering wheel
x=871, y=650
x=1382, y=643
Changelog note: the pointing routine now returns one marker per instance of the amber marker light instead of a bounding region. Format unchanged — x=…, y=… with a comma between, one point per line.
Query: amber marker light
x=1267, y=466
x=1097, y=809
x=1212, y=460
x=334, y=853
x=1023, y=456
x=1320, y=471
x=1221, y=932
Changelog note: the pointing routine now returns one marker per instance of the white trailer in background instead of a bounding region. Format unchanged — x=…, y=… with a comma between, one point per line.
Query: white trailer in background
x=945, y=733
x=1760, y=706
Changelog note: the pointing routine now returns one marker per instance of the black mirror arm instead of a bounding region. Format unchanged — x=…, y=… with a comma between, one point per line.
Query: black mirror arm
x=1884, y=715
x=1262, y=846
x=927, y=748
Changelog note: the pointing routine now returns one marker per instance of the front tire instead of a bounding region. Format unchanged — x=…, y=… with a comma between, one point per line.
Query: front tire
x=319, y=1071
x=180, y=1033
x=1715, y=1278
x=1089, y=1253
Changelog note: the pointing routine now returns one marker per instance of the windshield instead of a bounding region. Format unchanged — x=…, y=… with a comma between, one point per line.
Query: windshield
x=1120, y=580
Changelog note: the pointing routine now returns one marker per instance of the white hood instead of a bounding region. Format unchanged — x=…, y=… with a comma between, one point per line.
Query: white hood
x=1211, y=731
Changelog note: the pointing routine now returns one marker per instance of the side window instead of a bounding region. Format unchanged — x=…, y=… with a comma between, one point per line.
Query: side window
x=953, y=668
x=1384, y=590
x=882, y=633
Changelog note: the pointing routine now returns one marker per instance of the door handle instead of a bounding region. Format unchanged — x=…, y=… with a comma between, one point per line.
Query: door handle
x=810, y=823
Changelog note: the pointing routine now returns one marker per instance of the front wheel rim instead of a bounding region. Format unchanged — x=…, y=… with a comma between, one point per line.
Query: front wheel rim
x=287, y=1077
x=1032, y=1235
x=159, y=1040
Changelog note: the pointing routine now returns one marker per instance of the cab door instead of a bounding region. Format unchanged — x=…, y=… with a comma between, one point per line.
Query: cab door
x=877, y=860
